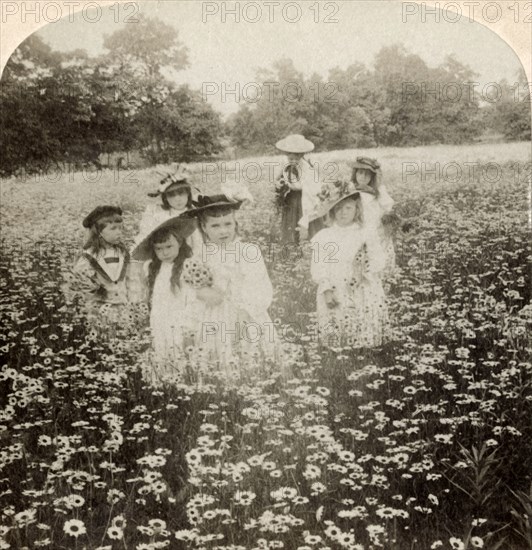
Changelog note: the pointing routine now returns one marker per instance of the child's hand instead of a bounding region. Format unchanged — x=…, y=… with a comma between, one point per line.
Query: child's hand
x=211, y=295
x=330, y=299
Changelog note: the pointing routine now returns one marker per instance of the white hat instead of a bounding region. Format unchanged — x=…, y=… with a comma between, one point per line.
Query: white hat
x=295, y=143
x=180, y=177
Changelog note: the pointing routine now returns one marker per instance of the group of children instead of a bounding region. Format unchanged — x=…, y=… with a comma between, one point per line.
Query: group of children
x=204, y=294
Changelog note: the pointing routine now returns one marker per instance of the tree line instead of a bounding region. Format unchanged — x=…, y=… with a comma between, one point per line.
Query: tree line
x=399, y=102
x=58, y=107
x=71, y=108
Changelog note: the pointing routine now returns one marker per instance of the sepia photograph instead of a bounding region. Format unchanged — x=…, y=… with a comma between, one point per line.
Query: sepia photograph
x=265, y=275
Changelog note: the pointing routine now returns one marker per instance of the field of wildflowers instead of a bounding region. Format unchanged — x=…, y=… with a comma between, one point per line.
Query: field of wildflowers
x=424, y=444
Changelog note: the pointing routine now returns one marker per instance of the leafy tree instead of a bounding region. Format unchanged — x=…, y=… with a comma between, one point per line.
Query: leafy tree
x=147, y=47
x=510, y=116
x=58, y=108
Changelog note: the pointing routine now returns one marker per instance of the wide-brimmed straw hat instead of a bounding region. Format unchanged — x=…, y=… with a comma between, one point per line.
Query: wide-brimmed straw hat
x=142, y=249
x=326, y=206
x=295, y=143
x=209, y=202
x=179, y=177
x=100, y=212
x=336, y=191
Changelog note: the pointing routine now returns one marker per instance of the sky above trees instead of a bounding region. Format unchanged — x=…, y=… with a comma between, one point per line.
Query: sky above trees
x=231, y=52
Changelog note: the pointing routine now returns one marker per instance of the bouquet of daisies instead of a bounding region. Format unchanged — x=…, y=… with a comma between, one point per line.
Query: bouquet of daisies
x=196, y=274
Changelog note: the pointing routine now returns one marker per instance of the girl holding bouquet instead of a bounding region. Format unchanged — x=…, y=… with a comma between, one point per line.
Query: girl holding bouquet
x=347, y=264
x=164, y=250
x=233, y=305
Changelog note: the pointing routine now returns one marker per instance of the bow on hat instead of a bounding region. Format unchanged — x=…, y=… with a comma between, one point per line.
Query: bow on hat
x=180, y=176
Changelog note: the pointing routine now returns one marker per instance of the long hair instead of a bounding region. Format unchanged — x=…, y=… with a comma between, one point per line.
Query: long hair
x=155, y=265
x=359, y=216
x=216, y=212
x=166, y=204
x=95, y=243
x=372, y=182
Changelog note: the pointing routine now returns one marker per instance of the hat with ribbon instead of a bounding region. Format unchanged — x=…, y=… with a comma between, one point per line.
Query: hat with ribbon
x=366, y=163
x=295, y=143
x=179, y=177
x=101, y=212
x=142, y=249
x=209, y=202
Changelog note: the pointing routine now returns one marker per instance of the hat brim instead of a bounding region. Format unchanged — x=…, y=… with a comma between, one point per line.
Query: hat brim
x=327, y=207
x=193, y=212
x=142, y=249
x=163, y=188
x=288, y=146
x=100, y=212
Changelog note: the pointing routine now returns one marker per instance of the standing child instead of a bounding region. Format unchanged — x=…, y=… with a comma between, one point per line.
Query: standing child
x=174, y=196
x=164, y=249
x=100, y=271
x=347, y=263
x=376, y=207
x=233, y=307
x=296, y=189
x=102, y=279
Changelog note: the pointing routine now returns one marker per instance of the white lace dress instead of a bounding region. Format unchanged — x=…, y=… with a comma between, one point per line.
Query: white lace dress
x=170, y=314
x=349, y=261
x=240, y=325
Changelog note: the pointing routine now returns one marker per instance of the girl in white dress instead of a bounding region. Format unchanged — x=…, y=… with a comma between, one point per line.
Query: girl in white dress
x=164, y=249
x=233, y=307
x=347, y=263
x=376, y=206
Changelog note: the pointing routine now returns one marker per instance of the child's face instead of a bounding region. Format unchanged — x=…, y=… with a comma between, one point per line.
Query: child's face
x=294, y=157
x=362, y=176
x=168, y=250
x=345, y=212
x=177, y=196
x=112, y=232
x=220, y=229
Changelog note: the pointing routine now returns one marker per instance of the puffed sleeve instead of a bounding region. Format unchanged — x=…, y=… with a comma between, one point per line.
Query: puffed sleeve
x=319, y=266
x=253, y=290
